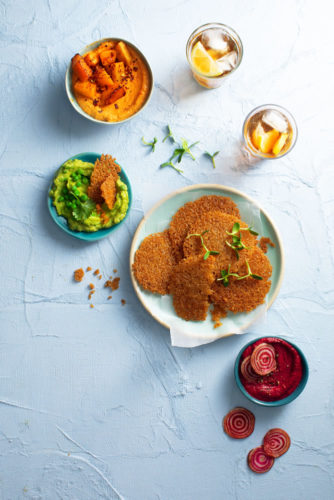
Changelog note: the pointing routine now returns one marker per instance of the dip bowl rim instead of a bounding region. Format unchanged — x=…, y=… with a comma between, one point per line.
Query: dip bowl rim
x=68, y=80
x=61, y=221
x=280, y=402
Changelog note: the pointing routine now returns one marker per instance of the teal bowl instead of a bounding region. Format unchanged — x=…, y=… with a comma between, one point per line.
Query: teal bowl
x=279, y=402
x=68, y=81
x=81, y=235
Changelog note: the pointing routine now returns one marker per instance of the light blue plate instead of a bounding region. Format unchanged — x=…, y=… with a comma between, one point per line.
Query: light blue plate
x=68, y=81
x=81, y=235
x=158, y=219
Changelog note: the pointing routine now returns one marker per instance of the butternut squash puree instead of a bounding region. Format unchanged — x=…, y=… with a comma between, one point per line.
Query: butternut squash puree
x=137, y=87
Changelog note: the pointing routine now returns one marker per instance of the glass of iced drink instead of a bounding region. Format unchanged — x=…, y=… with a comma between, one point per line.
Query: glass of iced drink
x=213, y=51
x=269, y=131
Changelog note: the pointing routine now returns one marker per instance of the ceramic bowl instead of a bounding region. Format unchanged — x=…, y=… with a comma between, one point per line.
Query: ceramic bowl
x=68, y=81
x=81, y=235
x=280, y=402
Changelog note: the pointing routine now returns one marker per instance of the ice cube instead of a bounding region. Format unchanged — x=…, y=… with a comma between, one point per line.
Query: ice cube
x=215, y=39
x=227, y=62
x=275, y=120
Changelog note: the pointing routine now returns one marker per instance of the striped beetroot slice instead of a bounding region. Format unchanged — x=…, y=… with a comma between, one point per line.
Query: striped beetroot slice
x=276, y=442
x=247, y=371
x=263, y=359
x=259, y=461
x=239, y=423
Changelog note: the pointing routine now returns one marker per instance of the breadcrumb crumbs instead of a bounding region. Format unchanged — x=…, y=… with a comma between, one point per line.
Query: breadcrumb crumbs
x=115, y=271
x=91, y=306
x=123, y=302
x=79, y=274
x=100, y=277
x=96, y=272
x=91, y=286
x=109, y=297
x=88, y=268
x=113, y=284
x=264, y=242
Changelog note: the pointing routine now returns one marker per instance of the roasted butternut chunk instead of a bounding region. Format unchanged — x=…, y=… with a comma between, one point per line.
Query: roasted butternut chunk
x=108, y=57
x=80, y=68
x=111, y=95
x=122, y=53
x=86, y=89
x=102, y=78
x=118, y=71
x=105, y=46
x=92, y=59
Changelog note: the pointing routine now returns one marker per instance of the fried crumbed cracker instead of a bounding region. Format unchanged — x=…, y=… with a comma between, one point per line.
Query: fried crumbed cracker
x=246, y=294
x=108, y=191
x=218, y=312
x=188, y=213
x=79, y=274
x=216, y=223
x=190, y=285
x=104, y=166
x=153, y=263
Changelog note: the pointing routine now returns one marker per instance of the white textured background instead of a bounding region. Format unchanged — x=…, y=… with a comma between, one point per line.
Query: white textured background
x=95, y=403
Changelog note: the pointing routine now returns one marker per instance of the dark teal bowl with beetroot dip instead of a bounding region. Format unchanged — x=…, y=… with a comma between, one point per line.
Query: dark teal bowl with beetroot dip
x=281, y=386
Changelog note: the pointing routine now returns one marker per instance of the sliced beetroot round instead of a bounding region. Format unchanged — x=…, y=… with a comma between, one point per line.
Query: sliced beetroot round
x=247, y=371
x=263, y=359
x=239, y=423
x=276, y=442
x=259, y=461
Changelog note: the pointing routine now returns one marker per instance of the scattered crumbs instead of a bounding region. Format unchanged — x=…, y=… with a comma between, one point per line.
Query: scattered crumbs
x=100, y=277
x=264, y=242
x=123, y=301
x=79, y=274
x=91, y=306
x=110, y=297
x=113, y=284
x=115, y=271
x=217, y=324
x=68, y=454
x=96, y=272
x=88, y=268
x=91, y=286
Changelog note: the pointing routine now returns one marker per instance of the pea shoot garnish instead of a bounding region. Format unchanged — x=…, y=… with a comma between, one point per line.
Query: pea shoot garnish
x=152, y=143
x=170, y=135
x=186, y=148
x=170, y=164
x=212, y=157
x=236, y=243
x=225, y=274
x=207, y=251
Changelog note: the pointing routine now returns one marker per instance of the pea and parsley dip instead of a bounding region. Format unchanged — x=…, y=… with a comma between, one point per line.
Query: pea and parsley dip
x=69, y=195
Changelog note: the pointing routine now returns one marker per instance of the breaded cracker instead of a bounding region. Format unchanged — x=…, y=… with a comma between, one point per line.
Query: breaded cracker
x=190, y=286
x=108, y=191
x=188, y=213
x=153, y=263
x=245, y=295
x=104, y=167
x=217, y=223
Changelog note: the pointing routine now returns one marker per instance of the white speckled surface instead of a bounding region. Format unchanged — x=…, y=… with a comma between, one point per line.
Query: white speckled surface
x=95, y=403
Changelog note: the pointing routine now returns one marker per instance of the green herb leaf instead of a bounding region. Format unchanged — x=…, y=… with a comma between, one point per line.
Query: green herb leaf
x=214, y=252
x=253, y=232
x=212, y=157
x=206, y=255
x=207, y=251
x=170, y=164
x=152, y=143
x=170, y=135
x=256, y=277
x=235, y=228
x=187, y=148
x=83, y=210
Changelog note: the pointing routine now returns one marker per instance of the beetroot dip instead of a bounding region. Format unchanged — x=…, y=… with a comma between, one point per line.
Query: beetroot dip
x=282, y=381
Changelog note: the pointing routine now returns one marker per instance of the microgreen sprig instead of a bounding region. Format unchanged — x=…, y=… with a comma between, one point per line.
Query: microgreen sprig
x=187, y=148
x=152, y=143
x=212, y=156
x=171, y=164
x=207, y=251
x=170, y=135
x=236, y=229
x=225, y=274
x=237, y=244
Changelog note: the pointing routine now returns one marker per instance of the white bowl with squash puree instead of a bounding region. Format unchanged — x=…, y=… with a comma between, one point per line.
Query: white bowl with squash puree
x=136, y=98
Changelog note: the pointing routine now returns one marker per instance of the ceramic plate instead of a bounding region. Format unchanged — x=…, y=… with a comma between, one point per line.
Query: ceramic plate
x=158, y=218
x=68, y=81
x=81, y=235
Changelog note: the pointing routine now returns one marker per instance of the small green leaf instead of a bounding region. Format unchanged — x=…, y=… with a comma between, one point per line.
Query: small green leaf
x=206, y=231
x=214, y=252
x=235, y=228
x=170, y=135
x=152, y=143
x=253, y=232
x=225, y=282
x=256, y=277
x=82, y=211
x=206, y=255
x=170, y=164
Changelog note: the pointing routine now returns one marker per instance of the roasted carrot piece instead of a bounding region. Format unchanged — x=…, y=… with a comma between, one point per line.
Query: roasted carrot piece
x=86, y=89
x=118, y=71
x=108, y=57
x=114, y=95
x=80, y=68
x=102, y=77
x=123, y=53
x=105, y=46
x=92, y=58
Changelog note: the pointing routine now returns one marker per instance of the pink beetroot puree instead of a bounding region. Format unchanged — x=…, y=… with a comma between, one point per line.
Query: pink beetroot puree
x=283, y=380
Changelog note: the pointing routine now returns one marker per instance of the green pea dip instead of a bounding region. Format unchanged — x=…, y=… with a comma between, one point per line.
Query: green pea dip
x=69, y=195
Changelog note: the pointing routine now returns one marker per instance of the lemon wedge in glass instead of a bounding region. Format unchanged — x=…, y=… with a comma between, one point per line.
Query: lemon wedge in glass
x=203, y=62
